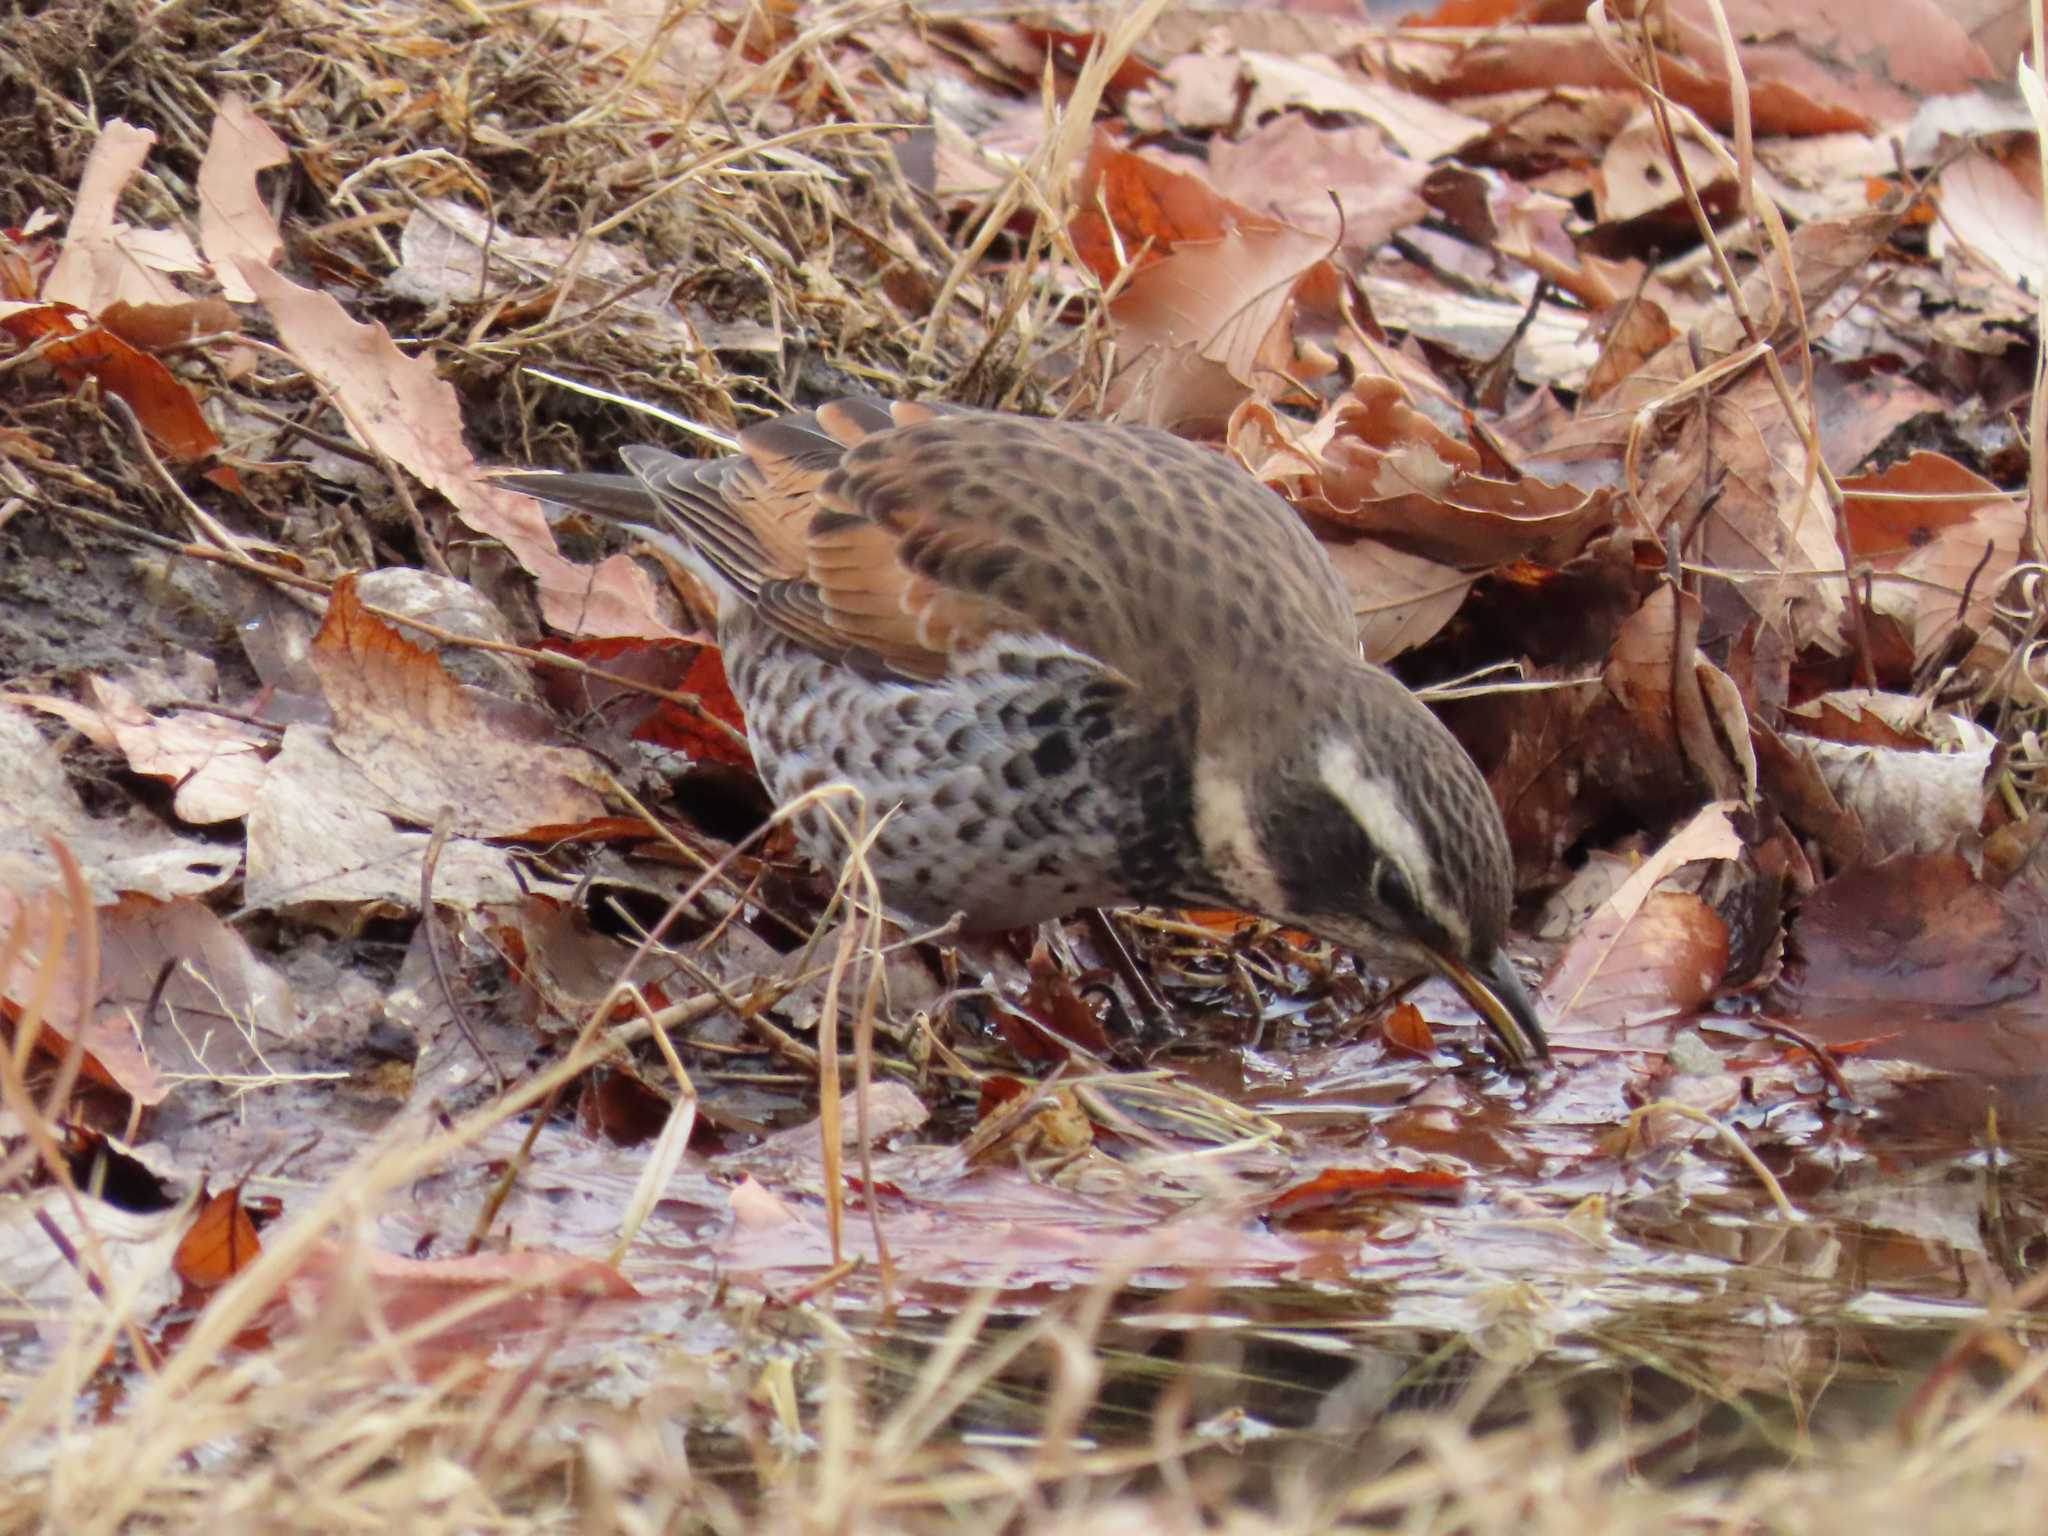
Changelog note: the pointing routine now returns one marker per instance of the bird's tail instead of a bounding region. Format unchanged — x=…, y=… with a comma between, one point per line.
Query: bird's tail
x=629, y=501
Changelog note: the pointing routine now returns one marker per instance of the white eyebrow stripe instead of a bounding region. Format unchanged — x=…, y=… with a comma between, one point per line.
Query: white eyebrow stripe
x=1376, y=808
x=1229, y=841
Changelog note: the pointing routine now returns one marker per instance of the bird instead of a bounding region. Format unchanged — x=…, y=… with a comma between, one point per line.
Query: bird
x=1081, y=664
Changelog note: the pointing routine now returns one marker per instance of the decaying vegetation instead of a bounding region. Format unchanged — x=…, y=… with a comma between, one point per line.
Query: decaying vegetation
x=438, y=1098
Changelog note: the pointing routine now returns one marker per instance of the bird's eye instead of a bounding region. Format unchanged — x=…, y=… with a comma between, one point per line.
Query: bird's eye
x=1394, y=892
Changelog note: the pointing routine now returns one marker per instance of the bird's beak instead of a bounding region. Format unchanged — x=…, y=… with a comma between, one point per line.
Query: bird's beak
x=1504, y=1003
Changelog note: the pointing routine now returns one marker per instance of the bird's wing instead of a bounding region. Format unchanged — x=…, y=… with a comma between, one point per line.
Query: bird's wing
x=1126, y=543
x=896, y=534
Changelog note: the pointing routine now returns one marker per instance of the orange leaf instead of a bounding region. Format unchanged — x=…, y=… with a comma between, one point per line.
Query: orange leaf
x=1406, y=1029
x=220, y=1244
x=706, y=733
x=165, y=406
x=1336, y=1188
x=689, y=731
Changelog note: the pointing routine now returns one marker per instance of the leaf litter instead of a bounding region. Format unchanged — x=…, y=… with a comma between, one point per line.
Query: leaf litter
x=386, y=891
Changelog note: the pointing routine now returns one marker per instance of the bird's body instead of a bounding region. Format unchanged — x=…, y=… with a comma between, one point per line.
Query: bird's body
x=1080, y=665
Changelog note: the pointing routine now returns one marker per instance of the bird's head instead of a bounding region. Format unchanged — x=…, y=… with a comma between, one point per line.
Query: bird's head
x=1374, y=830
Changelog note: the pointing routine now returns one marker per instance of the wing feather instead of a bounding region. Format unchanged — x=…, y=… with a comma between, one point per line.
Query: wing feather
x=893, y=534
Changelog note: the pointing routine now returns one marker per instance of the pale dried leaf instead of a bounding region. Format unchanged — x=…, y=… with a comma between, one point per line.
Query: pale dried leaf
x=132, y=853
x=234, y=220
x=1909, y=801
x=1991, y=210
x=104, y=260
x=315, y=841
x=400, y=406
x=1424, y=130
x=427, y=750
x=1324, y=180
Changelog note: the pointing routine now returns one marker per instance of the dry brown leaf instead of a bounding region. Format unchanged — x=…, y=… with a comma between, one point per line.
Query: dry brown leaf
x=1200, y=91
x=400, y=406
x=43, y=986
x=234, y=219
x=1811, y=66
x=428, y=749
x=1424, y=130
x=1654, y=673
x=103, y=259
x=1636, y=177
x=1959, y=534
x=1668, y=961
x=1916, y=781
x=1543, y=124
x=1198, y=330
x=1630, y=335
x=1552, y=348
x=1324, y=180
x=1400, y=600
x=214, y=763
x=187, y=986
x=1916, y=957
x=1859, y=409
x=317, y=841
x=1865, y=718
x=160, y=327
x=1991, y=212
x=117, y=854
x=1374, y=465
x=220, y=1243
x=1611, y=964
x=1134, y=207
x=162, y=402
x=494, y=1299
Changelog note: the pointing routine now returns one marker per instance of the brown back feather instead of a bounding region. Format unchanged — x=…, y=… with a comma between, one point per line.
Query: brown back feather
x=921, y=529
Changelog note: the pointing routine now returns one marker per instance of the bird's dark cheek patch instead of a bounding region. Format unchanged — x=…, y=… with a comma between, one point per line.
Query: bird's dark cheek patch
x=1323, y=859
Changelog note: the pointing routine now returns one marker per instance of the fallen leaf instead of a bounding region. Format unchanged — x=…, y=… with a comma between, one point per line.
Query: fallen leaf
x=1202, y=327
x=494, y=1300
x=1375, y=465
x=234, y=220
x=1618, y=974
x=425, y=749
x=1950, y=535
x=161, y=401
x=1551, y=347
x=1910, y=793
x=316, y=840
x=1332, y=182
x=1636, y=177
x=161, y=327
x=1335, y=1190
x=1991, y=212
x=44, y=994
x=1923, y=960
x=1400, y=600
x=135, y=852
x=1655, y=673
x=1423, y=129
x=1406, y=1029
x=103, y=259
x=220, y=1243
x=399, y=405
x=1668, y=961
x=213, y=761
